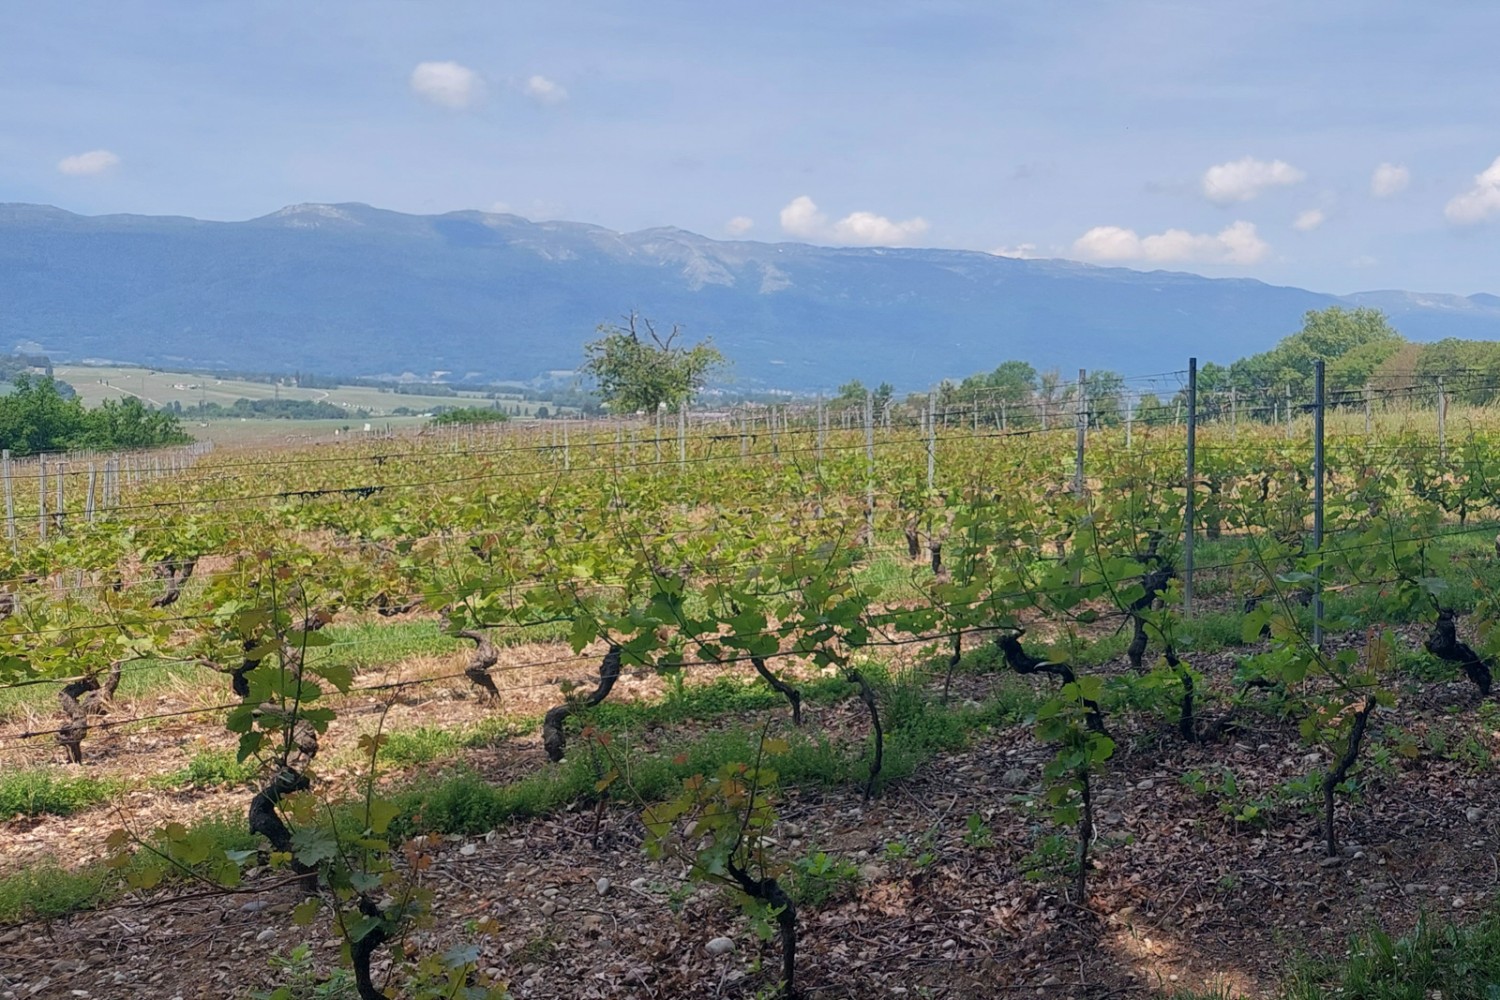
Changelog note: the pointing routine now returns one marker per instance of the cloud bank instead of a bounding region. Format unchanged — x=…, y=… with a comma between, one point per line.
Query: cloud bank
x=1236, y=243
x=802, y=218
x=95, y=161
x=446, y=84
x=1479, y=202
x=1242, y=180
x=1389, y=180
x=544, y=91
x=1309, y=220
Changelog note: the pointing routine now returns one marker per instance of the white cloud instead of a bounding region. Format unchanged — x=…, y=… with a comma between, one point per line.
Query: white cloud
x=1242, y=180
x=739, y=225
x=1309, y=220
x=1022, y=251
x=446, y=84
x=95, y=161
x=1479, y=202
x=1389, y=179
x=802, y=218
x=1237, y=243
x=545, y=91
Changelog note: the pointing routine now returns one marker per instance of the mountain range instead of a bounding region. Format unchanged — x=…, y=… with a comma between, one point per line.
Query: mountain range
x=352, y=290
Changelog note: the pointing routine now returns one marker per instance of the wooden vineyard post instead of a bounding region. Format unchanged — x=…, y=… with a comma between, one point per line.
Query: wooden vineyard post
x=931, y=442
x=822, y=428
x=1289, y=411
x=88, y=503
x=1130, y=405
x=1367, y=409
x=1234, y=415
x=870, y=469
x=41, y=497
x=1081, y=420
x=682, y=436
x=1317, y=607
x=10, y=500
x=62, y=471
x=1442, y=420
x=1189, y=518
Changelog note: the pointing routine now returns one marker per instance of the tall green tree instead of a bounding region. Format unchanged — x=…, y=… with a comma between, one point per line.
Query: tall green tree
x=1105, y=391
x=1362, y=335
x=635, y=373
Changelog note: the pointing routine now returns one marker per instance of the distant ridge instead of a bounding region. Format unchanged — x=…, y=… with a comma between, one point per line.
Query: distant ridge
x=350, y=289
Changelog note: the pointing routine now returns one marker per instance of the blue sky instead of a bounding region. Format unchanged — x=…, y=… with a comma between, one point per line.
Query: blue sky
x=1336, y=145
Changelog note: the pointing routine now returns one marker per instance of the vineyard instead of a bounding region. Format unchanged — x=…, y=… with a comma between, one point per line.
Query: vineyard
x=803, y=701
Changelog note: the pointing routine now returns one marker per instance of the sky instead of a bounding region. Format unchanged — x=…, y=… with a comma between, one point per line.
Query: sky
x=1339, y=146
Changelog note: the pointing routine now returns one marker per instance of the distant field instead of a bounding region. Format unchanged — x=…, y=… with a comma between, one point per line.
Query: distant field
x=272, y=431
x=160, y=388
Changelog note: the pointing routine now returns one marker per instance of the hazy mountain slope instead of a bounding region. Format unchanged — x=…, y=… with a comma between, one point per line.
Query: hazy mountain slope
x=350, y=289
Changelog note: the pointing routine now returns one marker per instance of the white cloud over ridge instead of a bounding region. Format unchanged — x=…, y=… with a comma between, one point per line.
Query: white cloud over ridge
x=1309, y=220
x=1388, y=180
x=1021, y=251
x=802, y=218
x=1241, y=180
x=1479, y=202
x=544, y=91
x=446, y=84
x=95, y=161
x=1237, y=243
x=739, y=225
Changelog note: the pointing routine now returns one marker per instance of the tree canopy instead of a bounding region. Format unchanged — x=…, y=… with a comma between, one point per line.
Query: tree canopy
x=636, y=373
x=1354, y=342
x=37, y=417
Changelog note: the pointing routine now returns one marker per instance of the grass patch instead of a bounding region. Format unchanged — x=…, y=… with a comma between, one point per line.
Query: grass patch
x=425, y=744
x=212, y=769
x=45, y=792
x=1453, y=961
x=138, y=679
x=368, y=644
x=46, y=891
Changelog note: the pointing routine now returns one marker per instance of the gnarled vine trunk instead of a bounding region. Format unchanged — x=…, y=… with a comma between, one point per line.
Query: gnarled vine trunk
x=791, y=694
x=554, y=739
x=770, y=892
x=1153, y=583
x=877, y=733
x=82, y=699
x=176, y=572
x=1340, y=771
x=1023, y=662
x=1445, y=645
x=364, y=949
x=484, y=657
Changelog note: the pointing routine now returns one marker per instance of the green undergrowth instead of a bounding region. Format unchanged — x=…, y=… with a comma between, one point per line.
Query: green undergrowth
x=426, y=744
x=1451, y=961
x=461, y=801
x=47, y=890
x=43, y=792
x=915, y=727
x=211, y=769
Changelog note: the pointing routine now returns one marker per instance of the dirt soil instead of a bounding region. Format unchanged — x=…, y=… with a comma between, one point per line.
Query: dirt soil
x=1180, y=895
